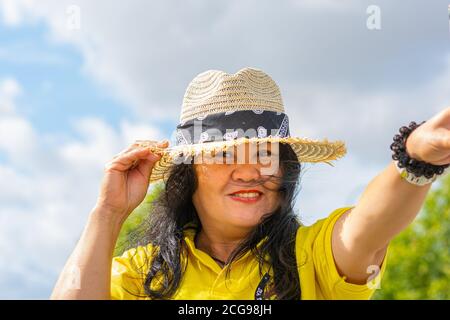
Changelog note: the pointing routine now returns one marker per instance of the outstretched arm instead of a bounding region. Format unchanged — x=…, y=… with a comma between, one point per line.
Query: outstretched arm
x=388, y=204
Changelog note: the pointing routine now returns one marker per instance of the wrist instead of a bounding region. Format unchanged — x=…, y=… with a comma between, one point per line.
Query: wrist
x=107, y=218
x=411, y=147
x=412, y=178
x=409, y=164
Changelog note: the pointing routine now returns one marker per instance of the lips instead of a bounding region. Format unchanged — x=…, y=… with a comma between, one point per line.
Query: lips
x=246, y=196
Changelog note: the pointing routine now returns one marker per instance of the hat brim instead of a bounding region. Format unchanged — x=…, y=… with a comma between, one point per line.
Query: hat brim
x=307, y=150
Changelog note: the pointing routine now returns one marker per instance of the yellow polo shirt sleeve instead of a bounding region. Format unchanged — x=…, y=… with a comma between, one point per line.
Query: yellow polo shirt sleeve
x=128, y=273
x=319, y=278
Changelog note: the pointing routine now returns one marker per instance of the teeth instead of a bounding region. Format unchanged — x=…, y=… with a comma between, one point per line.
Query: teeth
x=246, y=195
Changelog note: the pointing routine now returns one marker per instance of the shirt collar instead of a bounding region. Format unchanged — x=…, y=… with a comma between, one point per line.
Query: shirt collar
x=189, y=232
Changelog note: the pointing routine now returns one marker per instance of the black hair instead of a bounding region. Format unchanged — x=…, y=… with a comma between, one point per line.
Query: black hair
x=174, y=209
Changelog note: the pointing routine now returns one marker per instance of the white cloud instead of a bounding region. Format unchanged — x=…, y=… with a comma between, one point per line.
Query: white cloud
x=9, y=90
x=138, y=131
x=11, y=14
x=15, y=12
x=367, y=121
x=145, y=53
x=48, y=186
x=16, y=136
x=94, y=147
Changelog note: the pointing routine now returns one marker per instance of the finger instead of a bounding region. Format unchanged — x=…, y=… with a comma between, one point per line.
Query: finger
x=158, y=147
x=138, y=144
x=443, y=136
x=445, y=161
x=127, y=160
x=158, y=144
x=147, y=143
x=145, y=166
x=161, y=145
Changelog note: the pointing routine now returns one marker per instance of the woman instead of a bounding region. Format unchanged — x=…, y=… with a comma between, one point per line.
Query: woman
x=224, y=227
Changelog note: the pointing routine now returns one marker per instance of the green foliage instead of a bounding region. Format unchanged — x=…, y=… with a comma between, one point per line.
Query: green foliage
x=419, y=259
x=136, y=218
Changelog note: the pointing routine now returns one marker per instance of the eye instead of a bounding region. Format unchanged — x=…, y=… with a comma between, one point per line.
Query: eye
x=265, y=156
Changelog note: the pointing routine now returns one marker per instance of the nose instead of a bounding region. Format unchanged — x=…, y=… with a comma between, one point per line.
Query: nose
x=245, y=172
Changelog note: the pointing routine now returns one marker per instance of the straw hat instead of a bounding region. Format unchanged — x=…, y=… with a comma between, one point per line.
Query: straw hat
x=220, y=110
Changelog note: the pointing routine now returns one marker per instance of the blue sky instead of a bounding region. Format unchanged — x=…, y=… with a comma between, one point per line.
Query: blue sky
x=71, y=99
x=57, y=91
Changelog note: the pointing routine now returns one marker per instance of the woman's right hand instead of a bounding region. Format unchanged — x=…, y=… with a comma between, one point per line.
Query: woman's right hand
x=126, y=179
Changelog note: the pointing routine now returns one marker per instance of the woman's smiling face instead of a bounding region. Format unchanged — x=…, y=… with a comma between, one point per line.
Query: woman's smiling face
x=238, y=191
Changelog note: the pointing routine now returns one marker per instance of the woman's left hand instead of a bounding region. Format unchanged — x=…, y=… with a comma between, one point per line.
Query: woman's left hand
x=431, y=141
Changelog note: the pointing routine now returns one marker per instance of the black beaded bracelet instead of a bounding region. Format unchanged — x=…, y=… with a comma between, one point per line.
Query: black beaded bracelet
x=416, y=167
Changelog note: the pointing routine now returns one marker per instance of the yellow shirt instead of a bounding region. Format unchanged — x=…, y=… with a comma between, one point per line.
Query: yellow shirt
x=204, y=279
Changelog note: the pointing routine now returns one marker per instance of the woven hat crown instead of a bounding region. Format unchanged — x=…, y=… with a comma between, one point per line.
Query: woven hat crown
x=215, y=91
